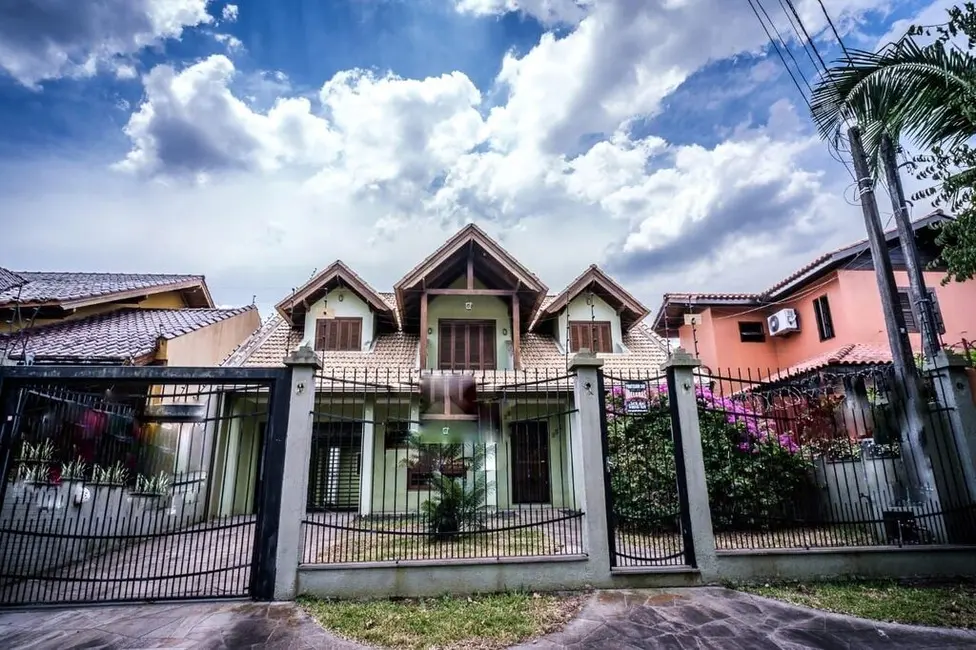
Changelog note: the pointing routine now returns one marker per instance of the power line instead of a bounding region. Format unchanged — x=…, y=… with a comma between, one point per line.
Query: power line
x=833, y=28
x=776, y=47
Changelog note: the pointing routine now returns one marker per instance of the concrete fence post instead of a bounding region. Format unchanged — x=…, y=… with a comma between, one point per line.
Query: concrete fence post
x=680, y=368
x=294, y=487
x=954, y=444
x=589, y=461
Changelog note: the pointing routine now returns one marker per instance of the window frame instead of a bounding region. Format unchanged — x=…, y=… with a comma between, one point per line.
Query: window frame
x=489, y=335
x=905, y=304
x=825, y=321
x=324, y=326
x=590, y=326
x=746, y=337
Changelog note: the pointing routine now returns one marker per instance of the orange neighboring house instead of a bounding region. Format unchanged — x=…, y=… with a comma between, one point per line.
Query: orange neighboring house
x=116, y=319
x=827, y=314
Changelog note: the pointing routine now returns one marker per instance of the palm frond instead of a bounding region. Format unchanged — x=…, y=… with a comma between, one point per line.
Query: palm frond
x=925, y=93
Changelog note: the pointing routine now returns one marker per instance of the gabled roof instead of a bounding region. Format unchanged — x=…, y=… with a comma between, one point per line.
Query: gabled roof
x=471, y=233
x=818, y=267
x=631, y=310
x=122, y=336
x=294, y=307
x=489, y=261
x=9, y=280
x=75, y=290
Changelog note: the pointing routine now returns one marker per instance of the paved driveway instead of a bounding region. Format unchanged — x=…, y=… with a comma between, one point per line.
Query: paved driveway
x=682, y=618
x=712, y=617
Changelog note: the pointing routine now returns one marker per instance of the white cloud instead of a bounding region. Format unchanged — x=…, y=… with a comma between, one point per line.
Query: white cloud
x=546, y=11
x=190, y=122
x=378, y=169
x=229, y=13
x=231, y=42
x=49, y=39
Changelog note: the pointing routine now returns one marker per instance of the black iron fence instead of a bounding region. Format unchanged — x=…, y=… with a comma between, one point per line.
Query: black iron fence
x=824, y=460
x=133, y=484
x=431, y=465
x=645, y=512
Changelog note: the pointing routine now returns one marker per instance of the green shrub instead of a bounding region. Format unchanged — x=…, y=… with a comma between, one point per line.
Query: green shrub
x=756, y=479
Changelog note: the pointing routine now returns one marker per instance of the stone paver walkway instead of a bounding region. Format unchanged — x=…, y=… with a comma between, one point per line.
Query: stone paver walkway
x=682, y=619
x=208, y=626
x=712, y=617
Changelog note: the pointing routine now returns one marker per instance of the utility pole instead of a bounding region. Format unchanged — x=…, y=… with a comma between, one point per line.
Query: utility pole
x=919, y=472
x=921, y=303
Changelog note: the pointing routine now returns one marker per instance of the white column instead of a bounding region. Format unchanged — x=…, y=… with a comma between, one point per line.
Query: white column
x=294, y=488
x=366, y=459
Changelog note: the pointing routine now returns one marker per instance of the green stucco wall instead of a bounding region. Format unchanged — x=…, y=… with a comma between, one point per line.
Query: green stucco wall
x=482, y=308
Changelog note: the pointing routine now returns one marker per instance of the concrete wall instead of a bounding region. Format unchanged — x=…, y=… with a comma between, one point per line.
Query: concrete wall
x=351, y=306
x=210, y=345
x=108, y=511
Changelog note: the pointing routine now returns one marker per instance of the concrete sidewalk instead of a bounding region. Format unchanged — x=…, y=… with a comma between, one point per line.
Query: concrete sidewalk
x=699, y=618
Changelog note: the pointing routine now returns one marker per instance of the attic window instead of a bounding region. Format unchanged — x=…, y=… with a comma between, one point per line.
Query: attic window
x=593, y=335
x=338, y=334
x=751, y=332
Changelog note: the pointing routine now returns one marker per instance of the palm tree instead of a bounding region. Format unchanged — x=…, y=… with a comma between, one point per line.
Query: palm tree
x=925, y=93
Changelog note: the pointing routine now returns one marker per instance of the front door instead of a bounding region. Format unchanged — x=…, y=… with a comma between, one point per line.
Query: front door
x=530, y=462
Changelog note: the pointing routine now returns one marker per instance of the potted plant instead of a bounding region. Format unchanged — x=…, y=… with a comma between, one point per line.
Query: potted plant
x=73, y=475
x=150, y=489
x=36, y=454
x=113, y=476
x=152, y=486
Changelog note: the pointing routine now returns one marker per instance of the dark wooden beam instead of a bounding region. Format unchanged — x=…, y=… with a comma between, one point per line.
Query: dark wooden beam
x=516, y=333
x=423, y=331
x=470, y=292
x=470, y=266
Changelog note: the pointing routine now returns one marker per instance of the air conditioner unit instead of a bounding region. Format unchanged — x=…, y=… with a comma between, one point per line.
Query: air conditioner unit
x=783, y=322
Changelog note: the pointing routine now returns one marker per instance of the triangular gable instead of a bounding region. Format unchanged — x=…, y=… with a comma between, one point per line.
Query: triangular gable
x=631, y=310
x=471, y=233
x=294, y=307
x=483, y=255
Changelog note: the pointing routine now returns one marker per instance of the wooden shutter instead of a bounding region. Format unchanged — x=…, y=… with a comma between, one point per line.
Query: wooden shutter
x=466, y=345
x=321, y=334
x=905, y=302
x=937, y=312
x=593, y=335
x=575, y=337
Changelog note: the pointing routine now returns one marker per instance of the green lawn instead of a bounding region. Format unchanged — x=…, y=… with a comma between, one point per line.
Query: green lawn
x=915, y=603
x=477, y=622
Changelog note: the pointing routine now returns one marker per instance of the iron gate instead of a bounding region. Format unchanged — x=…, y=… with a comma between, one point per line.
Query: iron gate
x=647, y=502
x=139, y=483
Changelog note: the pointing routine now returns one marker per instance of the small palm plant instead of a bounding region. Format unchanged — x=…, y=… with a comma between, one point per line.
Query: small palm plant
x=458, y=504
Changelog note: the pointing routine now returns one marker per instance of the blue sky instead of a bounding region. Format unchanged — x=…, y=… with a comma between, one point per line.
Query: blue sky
x=256, y=141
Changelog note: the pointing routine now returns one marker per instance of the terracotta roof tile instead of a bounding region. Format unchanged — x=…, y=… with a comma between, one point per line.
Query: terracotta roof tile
x=9, y=280
x=120, y=335
x=276, y=339
x=58, y=287
x=854, y=354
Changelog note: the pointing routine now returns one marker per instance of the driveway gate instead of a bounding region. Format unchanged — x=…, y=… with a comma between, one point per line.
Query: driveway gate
x=647, y=503
x=139, y=483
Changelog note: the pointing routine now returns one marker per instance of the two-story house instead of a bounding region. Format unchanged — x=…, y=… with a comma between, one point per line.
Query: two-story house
x=468, y=348
x=827, y=314
x=116, y=318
